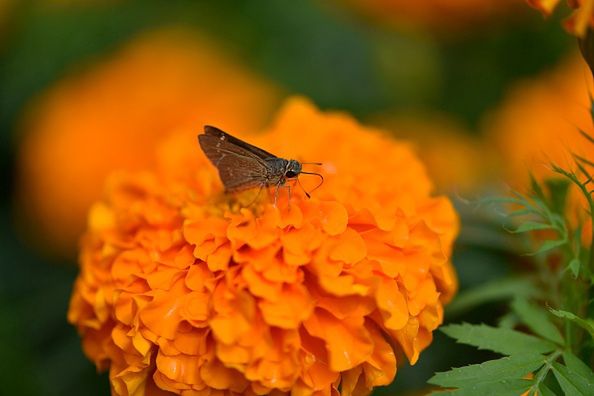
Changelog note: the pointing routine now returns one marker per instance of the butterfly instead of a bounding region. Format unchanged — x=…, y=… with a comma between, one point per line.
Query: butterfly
x=242, y=166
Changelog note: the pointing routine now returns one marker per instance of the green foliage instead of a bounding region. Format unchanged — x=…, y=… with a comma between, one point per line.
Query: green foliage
x=573, y=382
x=578, y=367
x=586, y=324
x=537, y=320
x=538, y=213
x=497, y=290
x=525, y=356
x=546, y=334
x=500, y=340
x=496, y=374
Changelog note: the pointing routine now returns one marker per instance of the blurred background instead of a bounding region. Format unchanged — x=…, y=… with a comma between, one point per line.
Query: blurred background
x=485, y=90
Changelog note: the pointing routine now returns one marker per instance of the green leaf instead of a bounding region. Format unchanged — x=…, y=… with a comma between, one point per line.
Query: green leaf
x=586, y=135
x=536, y=188
x=548, y=245
x=498, y=290
x=504, y=341
x=574, y=364
x=520, y=212
x=572, y=382
x=574, y=266
x=583, y=323
x=531, y=226
x=507, y=368
x=584, y=171
x=505, y=387
x=544, y=390
x=558, y=189
x=583, y=160
x=531, y=205
x=537, y=320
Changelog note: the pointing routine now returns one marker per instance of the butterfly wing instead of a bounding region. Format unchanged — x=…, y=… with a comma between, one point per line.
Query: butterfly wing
x=238, y=167
x=214, y=131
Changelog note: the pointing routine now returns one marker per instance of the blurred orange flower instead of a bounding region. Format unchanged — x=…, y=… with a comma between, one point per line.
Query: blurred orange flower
x=539, y=123
x=112, y=115
x=182, y=290
x=451, y=14
x=580, y=19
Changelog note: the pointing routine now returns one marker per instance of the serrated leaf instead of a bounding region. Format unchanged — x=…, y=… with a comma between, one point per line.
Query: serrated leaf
x=574, y=266
x=507, y=368
x=558, y=189
x=586, y=135
x=537, y=320
x=578, y=366
x=521, y=212
x=568, y=174
x=513, y=387
x=536, y=188
x=545, y=390
x=548, y=245
x=497, y=290
x=583, y=160
x=572, y=382
x=584, y=171
x=531, y=226
x=504, y=341
x=556, y=168
x=584, y=324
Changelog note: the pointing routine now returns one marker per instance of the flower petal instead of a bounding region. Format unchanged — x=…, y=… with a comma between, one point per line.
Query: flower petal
x=348, y=343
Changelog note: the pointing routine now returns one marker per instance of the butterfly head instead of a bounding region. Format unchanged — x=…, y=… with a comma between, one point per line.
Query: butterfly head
x=293, y=169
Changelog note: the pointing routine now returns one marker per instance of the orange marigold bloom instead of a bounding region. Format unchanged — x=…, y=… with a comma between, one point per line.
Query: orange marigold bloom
x=581, y=18
x=539, y=123
x=112, y=115
x=183, y=290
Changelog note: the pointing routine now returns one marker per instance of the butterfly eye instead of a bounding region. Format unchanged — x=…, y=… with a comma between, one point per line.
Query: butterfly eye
x=290, y=174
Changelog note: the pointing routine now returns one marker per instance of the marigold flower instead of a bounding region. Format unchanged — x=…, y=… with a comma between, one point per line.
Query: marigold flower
x=166, y=79
x=184, y=290
x=581, y=18
x=456, y=160
x=539, y=122
x=450, y=14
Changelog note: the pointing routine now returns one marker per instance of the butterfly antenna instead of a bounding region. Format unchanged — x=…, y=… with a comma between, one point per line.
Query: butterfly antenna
x=312, y=163
x=316, y=187
x=301, y=185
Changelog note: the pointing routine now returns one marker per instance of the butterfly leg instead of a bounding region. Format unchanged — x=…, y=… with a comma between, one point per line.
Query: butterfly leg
x=278, y=186
x=290, y=190
x=288, y=187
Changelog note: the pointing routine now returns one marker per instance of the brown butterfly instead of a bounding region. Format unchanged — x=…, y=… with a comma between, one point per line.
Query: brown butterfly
x=243, y=166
